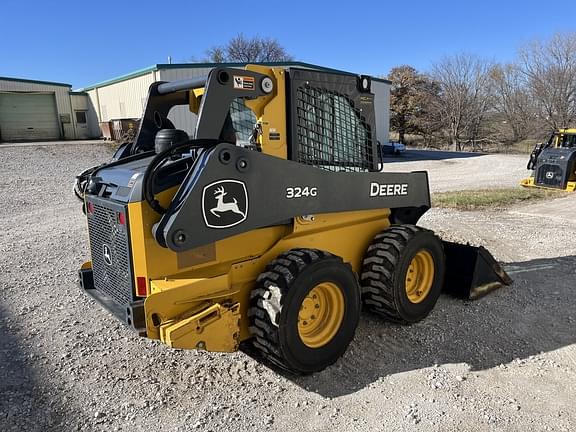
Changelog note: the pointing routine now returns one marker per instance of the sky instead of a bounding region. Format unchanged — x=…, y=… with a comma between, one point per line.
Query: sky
x=82, y=43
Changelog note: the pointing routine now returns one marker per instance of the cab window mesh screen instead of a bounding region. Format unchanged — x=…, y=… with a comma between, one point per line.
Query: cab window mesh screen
x=331, y=132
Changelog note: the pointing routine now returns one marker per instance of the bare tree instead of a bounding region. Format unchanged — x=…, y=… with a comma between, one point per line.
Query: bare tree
x=513, y=101
x=245, y=50
x=216, y=55
x=550, y=69
x=465, y=97
x=428, y=121
x=409, y=100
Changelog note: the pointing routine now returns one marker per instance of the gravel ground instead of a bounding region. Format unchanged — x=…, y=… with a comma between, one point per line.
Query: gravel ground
x=506, y=362
x=458, y=171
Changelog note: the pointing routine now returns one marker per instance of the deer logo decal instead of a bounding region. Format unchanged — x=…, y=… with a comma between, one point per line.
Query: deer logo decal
x=224, y=203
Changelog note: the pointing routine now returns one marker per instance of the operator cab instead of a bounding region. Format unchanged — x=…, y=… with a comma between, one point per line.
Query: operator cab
x=163, y=126
x=567, y=140
x=564, y=138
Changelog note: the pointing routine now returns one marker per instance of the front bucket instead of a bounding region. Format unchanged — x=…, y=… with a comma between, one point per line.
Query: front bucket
x=472, y=272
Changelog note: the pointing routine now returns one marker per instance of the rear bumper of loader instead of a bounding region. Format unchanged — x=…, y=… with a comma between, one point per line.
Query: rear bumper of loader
x=188, y=325
x=132, y=314
x=527, y=182
x=530, y=182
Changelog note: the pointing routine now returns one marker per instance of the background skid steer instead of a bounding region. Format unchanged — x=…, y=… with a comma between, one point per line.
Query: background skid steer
x=208, y=242
x=553, y=163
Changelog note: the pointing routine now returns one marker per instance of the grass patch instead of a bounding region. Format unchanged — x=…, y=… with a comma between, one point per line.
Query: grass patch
x=522, y=147
x=491, y=198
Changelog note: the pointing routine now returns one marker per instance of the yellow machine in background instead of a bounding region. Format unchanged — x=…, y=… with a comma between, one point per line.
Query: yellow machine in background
x=553, y=163
x=271, y=227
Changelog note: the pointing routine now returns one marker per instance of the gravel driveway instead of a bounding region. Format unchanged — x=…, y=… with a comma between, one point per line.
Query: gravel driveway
x=506, y=362
x=458, y=171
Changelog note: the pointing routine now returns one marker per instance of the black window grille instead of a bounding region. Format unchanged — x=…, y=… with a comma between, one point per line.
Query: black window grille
x=331, y=132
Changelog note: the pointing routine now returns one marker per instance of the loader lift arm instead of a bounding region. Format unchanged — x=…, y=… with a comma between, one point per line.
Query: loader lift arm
x=269, y=183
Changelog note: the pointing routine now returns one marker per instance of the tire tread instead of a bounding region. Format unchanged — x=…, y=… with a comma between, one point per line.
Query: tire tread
x=279, y=273
x=378, y=270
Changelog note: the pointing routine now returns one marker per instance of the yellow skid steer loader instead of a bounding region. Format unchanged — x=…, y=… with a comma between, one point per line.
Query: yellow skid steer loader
x=553, y=163
x=274, y=237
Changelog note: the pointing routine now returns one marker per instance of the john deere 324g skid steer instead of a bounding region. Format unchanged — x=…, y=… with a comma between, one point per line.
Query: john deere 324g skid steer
x=276, y=242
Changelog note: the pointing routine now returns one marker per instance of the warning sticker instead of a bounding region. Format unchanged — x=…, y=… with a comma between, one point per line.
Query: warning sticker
x=243, y=82
x=366, y=99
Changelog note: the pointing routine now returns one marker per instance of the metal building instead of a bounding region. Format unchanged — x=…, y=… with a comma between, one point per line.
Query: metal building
x=125, y=96
x=41, y=110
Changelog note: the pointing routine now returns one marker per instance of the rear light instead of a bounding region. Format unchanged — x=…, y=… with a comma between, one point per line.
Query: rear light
x=90, y=207
x=121, y=218
x=141, y=286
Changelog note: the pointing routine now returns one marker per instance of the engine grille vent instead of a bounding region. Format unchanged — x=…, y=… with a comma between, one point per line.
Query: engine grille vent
x=109, y=246
x=550, y=175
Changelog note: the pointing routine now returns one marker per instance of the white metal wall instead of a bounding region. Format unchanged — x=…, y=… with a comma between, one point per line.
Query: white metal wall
x=79, y=102
x=61, y=93
x=93, y=116
x=124, y=99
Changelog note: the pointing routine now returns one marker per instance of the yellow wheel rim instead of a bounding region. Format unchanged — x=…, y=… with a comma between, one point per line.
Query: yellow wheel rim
x=420, y=276
x=321, y=314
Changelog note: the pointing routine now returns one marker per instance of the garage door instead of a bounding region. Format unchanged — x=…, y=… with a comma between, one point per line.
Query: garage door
x=28, y=117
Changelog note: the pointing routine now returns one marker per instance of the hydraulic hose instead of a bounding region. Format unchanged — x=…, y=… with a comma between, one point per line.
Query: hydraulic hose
x=159, y=160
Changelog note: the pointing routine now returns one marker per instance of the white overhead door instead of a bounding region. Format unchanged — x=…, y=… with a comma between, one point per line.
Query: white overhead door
x=28, y=117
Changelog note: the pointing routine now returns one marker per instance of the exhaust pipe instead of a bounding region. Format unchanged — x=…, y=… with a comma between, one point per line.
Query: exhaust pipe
x=472, y=272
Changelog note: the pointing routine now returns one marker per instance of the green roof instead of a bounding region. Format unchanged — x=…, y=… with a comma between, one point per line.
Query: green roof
x=160, y=66
x=34, y=81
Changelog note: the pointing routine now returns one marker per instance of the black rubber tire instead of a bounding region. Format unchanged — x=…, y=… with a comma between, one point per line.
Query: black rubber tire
x=384, y=268
x=275, y=304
